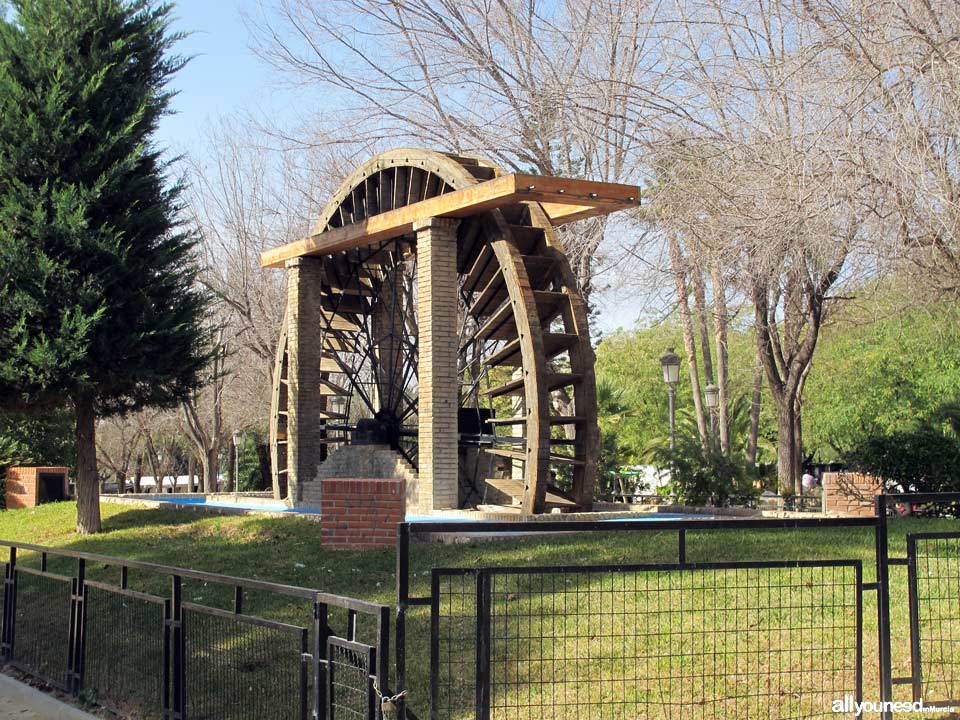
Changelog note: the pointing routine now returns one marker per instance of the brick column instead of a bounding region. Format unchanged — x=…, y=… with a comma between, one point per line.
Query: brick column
x=304, y=401
x=438, y=396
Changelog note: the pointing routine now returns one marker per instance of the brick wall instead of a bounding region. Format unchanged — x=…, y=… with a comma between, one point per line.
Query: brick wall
x=439, y=383
x=304, y=400
x=361, y=514
x=22, y=485
x=850, y=494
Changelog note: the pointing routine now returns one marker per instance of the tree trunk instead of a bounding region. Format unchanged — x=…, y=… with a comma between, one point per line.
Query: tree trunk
x=797, y=448
x=88, y=484
x=138, y=473
x=154, y=466
x=700, y=305
x=798, y=458
x=211, y=468
x=232, y=469
x=756, y=399
x=689, y=344
x=191, y=473
x=786, y=462
x=720, y=322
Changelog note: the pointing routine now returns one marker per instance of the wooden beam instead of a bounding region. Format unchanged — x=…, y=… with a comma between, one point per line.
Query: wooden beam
x=585, y=198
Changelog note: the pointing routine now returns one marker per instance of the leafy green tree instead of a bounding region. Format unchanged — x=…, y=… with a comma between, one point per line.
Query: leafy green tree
x=98, y=304
x=924, y=457
x=630, y=362
x=881, y=373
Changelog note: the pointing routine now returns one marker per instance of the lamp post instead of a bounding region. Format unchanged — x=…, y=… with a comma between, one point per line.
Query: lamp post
x=670, y=364
x=236, y=461
x=711, y=396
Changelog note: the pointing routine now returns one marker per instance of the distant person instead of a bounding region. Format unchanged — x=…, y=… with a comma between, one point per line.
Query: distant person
x=809, y=480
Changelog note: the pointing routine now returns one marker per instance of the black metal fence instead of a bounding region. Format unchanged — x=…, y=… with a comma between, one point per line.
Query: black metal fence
x=163, y=656
x=770, y=639
x=679, y=639
x=934, y=566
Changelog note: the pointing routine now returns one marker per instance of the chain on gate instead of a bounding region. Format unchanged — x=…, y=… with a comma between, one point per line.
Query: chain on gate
x=388, y=703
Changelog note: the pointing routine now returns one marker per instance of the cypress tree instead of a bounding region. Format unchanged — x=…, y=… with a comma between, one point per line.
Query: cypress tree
x=99, y=309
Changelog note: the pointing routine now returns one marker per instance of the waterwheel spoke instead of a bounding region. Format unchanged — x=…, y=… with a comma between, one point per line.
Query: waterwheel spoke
x=518, y=309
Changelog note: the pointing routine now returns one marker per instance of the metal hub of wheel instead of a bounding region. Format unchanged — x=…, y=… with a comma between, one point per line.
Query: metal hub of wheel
x=527, y=389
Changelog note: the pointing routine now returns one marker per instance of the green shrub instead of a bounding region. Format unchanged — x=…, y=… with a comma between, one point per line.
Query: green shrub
x=704, y=475
x=922, y=458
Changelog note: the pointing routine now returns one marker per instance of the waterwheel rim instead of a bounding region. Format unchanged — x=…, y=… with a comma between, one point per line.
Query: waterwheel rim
x=520, y=312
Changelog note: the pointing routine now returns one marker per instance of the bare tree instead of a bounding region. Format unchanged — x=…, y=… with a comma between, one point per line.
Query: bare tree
x=119, y=441
x=554, y=88
x=202, y=420
x=901, y=60
x=767, y=187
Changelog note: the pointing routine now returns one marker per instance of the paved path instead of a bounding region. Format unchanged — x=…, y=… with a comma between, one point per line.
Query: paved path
x=22, y=702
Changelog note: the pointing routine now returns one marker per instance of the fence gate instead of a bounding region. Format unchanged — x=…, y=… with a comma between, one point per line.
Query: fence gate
x=163, y=657
x=933, y=563
x=717, y=640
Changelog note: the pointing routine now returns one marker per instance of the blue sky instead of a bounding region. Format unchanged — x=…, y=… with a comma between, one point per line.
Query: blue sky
x=224, y=78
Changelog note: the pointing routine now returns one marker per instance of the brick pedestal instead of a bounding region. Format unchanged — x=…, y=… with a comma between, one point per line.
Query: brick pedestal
x=438, y=394
x=361, y=514
x=850, y=494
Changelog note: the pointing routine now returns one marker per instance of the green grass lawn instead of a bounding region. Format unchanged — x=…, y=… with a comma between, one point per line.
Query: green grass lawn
x=288, y=550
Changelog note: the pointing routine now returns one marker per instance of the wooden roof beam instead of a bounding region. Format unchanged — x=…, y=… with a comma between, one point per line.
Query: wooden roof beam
x=564, y=201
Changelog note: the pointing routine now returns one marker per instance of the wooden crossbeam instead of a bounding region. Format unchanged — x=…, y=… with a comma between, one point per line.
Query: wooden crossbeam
x=564, y=201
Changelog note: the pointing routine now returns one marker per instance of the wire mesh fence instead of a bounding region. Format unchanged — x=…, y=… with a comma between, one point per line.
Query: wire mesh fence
x=733, y=640
x=125, y=649
x=143, y=655
x=934, y=561
x=350, y=667
x=42, y=625
x=4, y=623
x=454, y=641
x=230, y=659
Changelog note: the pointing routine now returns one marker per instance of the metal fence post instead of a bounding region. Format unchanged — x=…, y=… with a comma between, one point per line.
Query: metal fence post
x=165, y=705
x=483, y=646
x=383, y=654
x=179, y=675
x=321, y=632
x=915, y=658
x=883, y=603
x=6, y=622
x=304, y=672
x=77, y=622
x=403, y=596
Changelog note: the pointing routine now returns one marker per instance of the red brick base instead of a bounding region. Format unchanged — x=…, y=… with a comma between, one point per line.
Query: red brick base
x=22, y=485
x=361, y=514
x=850, y=494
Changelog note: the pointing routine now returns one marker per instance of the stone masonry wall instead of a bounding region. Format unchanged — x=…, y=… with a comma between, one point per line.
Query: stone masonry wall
x=360, y=461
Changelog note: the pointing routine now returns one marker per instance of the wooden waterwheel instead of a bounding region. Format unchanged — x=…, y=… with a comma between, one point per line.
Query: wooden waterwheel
x=526, y=384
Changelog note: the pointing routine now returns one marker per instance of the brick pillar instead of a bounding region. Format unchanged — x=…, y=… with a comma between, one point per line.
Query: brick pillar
x=438, y=395
x=304, y=401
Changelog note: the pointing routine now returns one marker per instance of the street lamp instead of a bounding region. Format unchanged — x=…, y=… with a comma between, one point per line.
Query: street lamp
x=236, y=461
x=711, y=395
x=670, y=364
